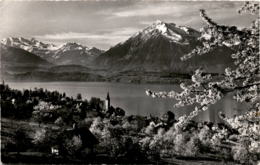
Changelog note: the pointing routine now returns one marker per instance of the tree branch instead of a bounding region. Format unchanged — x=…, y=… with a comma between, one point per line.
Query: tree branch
x=228, y=90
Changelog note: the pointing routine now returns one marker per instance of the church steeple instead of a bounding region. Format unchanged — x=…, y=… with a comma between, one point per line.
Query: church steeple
x=107, y=101
x=108, y=97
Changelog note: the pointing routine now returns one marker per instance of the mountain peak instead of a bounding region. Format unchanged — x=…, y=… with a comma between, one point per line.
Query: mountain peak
x=170, y=31
x=71, y=43
x=159, y=22
x=71, y=46
x=160, y=26
x=167, y=30
x=34, y=40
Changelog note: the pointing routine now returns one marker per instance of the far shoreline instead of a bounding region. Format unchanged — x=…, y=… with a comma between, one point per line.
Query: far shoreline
x=116, y=82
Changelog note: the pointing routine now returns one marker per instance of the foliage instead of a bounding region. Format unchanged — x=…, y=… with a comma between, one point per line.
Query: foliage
x=248, y=140
x=73, y=145
x=22, y=140
x=79, y=97
x=39, y=136
x=115, y=139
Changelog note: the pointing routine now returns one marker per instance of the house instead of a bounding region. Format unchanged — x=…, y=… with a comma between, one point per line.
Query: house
x=54, y=150
x=13, y=101
x=88, y=139
x=92, y=113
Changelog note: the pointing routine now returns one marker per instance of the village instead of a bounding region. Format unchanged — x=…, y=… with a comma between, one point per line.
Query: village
x=49, y=120
x=41, y=125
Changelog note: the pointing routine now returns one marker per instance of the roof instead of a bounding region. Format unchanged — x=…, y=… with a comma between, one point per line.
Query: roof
x=88, y=139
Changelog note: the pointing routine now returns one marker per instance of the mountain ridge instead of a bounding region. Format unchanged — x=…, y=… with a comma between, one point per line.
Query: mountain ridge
x=151, y=55
x=68, y=53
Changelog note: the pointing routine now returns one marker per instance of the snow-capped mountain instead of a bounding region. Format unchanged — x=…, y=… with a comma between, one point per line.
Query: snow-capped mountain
x=69, y=53
x=177, y=34
x=16, y=55
x=159, y=47
x=73, y=53
x=14, y=60
x=30, y=45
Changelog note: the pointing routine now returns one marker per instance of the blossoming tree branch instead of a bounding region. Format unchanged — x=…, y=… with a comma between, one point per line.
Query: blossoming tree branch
x=242, y=79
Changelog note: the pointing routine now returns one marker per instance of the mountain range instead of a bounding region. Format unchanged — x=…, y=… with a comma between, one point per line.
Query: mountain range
x=152, y=53
x=65, y=54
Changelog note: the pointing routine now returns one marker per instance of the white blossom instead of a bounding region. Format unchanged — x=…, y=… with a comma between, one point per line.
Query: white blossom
x=243, y=78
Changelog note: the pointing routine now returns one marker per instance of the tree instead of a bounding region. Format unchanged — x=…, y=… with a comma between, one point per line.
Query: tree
x=79, y=97
x=63, y=94
x=73, y=145
x=39, y=135
x=242, y=79
x=22, y=140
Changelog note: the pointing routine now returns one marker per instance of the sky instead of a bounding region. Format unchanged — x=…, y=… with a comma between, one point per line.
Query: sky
x=103, y=24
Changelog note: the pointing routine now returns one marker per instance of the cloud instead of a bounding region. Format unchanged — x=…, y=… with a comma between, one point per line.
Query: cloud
x=148, y=11
x=146, y=22
x=107, y=38
x=143, y=9
x=116, y=33
x=163, y=8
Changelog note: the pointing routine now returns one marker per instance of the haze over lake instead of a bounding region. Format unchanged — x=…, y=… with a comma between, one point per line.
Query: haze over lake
x=132, y=97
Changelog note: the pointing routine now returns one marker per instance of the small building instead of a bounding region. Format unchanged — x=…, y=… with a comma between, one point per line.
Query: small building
x=92, y=113
x=13, y=101
x=54, y=150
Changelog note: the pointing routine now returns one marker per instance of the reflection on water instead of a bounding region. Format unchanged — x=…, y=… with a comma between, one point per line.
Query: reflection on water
x=132, y=98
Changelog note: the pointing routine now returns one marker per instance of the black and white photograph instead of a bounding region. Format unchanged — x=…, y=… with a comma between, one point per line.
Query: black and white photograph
x=130, y=82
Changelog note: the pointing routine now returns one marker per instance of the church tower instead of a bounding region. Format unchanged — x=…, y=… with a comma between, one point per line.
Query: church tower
x=107, y=102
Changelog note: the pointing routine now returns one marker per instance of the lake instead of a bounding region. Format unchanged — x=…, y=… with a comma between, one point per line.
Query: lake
x=132, y=97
